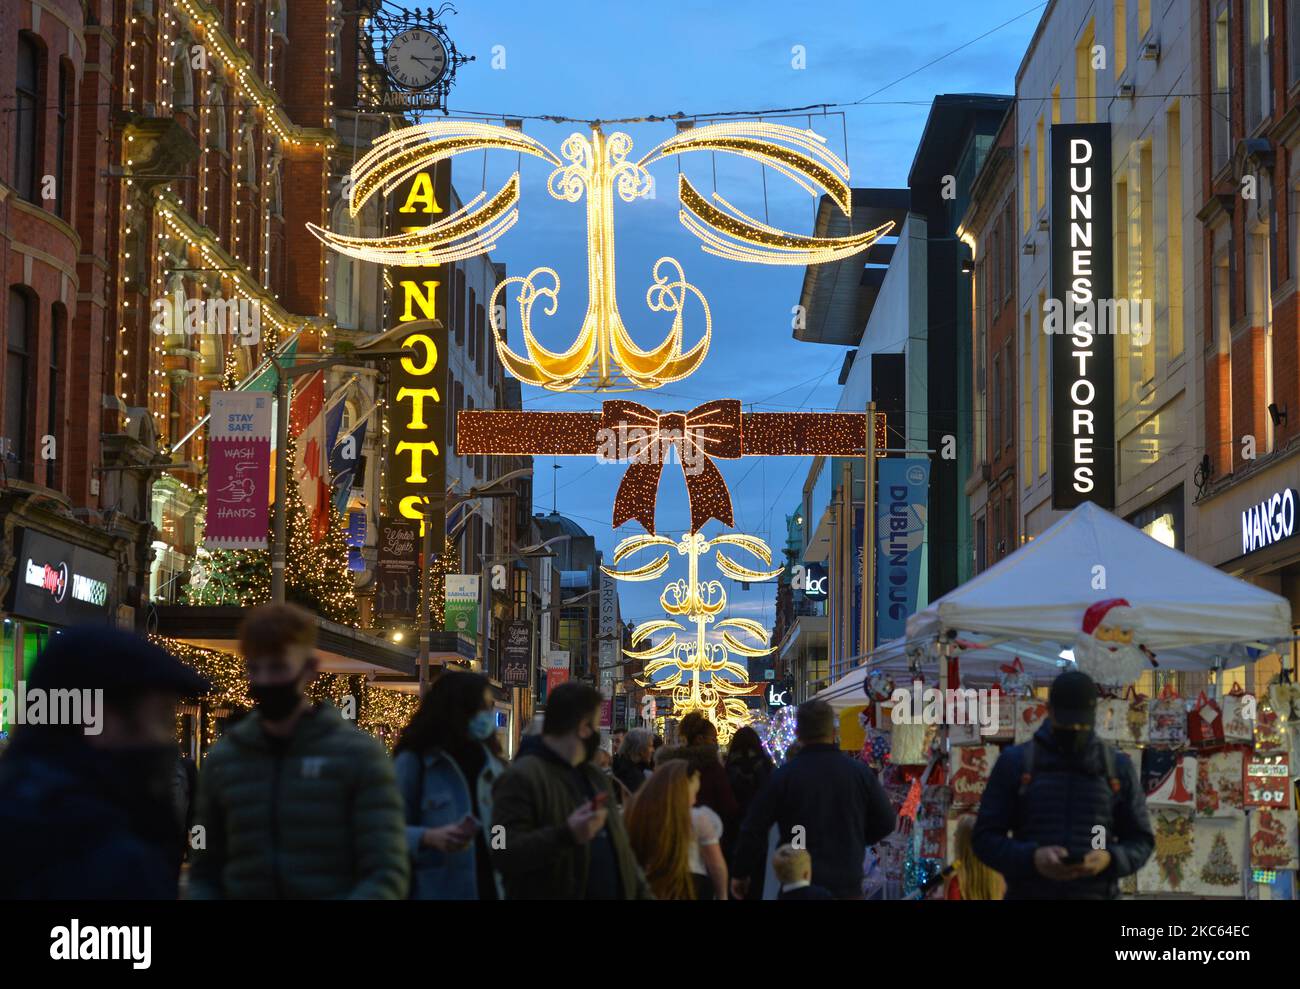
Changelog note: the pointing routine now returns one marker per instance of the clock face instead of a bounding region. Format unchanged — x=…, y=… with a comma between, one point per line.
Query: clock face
x=416, y=59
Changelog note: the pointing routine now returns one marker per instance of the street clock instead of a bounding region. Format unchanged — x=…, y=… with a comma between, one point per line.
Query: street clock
x=416, y=59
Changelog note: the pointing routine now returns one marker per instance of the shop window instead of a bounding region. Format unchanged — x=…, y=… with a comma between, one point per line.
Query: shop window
x=21, y=333
x=27, y=119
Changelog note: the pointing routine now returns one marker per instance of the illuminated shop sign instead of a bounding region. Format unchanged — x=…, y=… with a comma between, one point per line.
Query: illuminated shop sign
x=417, y=433
x=1269, y=522
x=60, y=583
x=1083, y=377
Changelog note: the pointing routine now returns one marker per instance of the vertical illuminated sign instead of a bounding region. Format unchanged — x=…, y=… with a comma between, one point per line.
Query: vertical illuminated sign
x=417, y=393
x=1082, y=348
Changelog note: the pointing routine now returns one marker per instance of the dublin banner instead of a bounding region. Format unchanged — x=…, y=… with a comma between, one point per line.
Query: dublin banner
x=239, y=464
x=902, y=505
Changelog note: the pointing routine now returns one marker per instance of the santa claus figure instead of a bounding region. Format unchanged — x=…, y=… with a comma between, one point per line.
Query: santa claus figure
x=1105, y=649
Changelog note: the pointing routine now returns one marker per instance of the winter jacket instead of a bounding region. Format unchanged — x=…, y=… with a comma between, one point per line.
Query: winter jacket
x=630, y=774
x=76, y=830
x=1066, y=797
x=320, y=818
x=435, y=793
x=839, y=804
x=538, y=857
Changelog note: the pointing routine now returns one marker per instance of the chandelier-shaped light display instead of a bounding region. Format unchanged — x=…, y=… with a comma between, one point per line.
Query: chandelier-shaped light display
x=603, y=355
x=683, y=663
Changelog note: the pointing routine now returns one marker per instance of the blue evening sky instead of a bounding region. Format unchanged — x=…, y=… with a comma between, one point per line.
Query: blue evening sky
x=605, y=60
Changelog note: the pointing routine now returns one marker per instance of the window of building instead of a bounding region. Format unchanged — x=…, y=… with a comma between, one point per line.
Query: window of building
x=1040, y=165
x=1147, y=257
x=1085, y=79
x=1056, y=103
x=27, y=152
x=993, y=265
x=1121, y=38
x=458, y=305
x=216, y=118
x=21, y=333
x=995, y=511
x=1009, y=249
x=1009, y=522
x=1220, y=101
x=63, y=139
x=55, y=410
x=1292, y=42
x=473, y=337
x=182, y=77
x=1042, y=394
x=1026, y=399
x=1259, y=81
x=980, y=345
x=1174, y=224
x=1123, y=290
x=480, y=329
x=981, y=549
x=995, y=402
x=1144, y=19
x=1008, y=410
x=1024, y=190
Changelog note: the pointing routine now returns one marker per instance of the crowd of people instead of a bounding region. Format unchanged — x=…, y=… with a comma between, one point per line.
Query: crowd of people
x=295, y=802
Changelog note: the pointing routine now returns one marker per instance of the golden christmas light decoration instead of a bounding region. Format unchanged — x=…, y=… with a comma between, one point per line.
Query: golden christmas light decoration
x=697, y=673
x=800, y=155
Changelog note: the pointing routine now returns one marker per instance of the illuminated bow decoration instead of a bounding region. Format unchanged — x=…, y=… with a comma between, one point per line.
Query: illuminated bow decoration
x=603, y=355
x=645, y=437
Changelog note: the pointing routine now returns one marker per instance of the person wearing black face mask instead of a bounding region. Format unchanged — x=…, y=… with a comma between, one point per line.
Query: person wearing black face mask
x=89, y=801
x=295, y=802
x=1063, y=815
x=563, y=834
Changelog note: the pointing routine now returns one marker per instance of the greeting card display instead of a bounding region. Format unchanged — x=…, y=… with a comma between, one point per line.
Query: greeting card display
x=1267, y=780
x=1217, y=849
x=908, y=743
x=1284, y=696
x=1273, y=839
x=1238, y=715
x=1219, y=783
x=1030, y=713
x=1205, y=722
x=1177, y=791
x=1167, y=870
x=1013, y=680
x=1270, y=730
x=971, y=765
x=1005, y=705
x=966, y=733
x=1112, y=719
x=1168, y=721
x=1156, y=765
x=1139, y=717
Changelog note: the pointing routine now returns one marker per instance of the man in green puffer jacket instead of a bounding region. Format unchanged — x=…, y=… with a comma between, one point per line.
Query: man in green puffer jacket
x=295, y=802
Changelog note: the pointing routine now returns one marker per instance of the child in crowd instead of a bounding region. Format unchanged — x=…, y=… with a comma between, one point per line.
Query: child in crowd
x=794, y=872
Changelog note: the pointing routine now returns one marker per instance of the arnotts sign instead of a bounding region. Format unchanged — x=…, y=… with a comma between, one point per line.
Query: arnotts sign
x=1083, y=380
x=417, y=439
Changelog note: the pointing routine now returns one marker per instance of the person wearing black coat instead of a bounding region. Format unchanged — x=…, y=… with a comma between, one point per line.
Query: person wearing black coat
x=1063, y=816
x=90, y=806
x=831, y=802
x=634, y=759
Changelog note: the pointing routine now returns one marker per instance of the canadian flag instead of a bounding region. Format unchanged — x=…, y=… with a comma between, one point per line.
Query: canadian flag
x=307, y=427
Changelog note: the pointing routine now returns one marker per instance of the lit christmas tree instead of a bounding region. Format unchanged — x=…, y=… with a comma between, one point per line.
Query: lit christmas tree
x=316, y=573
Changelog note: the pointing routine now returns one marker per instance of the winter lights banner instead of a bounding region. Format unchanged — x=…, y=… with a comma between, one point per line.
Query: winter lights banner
x=603, y=355
x=645, y=438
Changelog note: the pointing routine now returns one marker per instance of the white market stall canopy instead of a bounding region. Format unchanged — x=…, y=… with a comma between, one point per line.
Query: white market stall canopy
x=1192, y=614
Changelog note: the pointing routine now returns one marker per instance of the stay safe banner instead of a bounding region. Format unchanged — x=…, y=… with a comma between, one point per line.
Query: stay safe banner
x=239, y=464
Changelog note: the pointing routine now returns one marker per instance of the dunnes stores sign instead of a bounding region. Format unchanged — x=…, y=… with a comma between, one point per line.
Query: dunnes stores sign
x=1269, y=522
x=417, y=427
x=1083, y=377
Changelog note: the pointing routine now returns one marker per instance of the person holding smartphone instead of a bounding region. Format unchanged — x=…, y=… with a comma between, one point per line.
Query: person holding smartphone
x=447, y=761
x=1063, y=816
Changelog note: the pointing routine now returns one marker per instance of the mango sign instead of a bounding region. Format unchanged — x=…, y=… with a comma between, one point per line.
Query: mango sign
x=417, y=397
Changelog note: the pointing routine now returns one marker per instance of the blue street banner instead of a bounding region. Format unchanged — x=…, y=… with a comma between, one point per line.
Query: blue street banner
x=902, y=506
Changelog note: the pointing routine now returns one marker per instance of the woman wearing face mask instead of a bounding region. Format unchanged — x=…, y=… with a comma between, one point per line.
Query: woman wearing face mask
x=447, y=760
